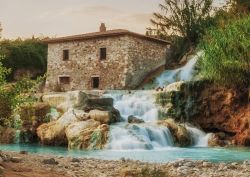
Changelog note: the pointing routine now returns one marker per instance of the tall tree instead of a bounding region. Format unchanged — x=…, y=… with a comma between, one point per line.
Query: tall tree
x=1, y=29
x=186, y=18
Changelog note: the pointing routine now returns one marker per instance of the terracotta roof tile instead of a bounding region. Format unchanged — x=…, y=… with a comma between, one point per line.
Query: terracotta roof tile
x=108, y=33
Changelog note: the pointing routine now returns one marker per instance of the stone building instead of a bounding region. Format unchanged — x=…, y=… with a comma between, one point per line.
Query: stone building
x=108, y=59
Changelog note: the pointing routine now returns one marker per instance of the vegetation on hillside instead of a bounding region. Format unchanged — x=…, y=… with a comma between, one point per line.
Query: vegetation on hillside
x=14, y=95
x=226, y=57
x=28, y=54
x=181, y=22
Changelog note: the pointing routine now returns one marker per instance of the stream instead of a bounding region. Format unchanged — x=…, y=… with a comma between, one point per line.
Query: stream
x=147, y=141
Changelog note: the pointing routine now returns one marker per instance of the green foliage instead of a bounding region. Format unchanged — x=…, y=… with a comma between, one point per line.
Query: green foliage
x=26, y=54
x=226, y=58
x=13, y=96
x=1, y=29
x=163, y=98
x=187, y=18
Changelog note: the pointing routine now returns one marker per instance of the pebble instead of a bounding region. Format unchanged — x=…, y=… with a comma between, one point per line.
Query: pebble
x=206, y=164
x=16, y=159
x=75, y=160
x=23, y=152
x=50, y=161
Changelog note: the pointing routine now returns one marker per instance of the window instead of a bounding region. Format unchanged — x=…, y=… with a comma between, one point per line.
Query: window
x=103, y=53
x=64, y=80
x=95, y=82
x=65, y=54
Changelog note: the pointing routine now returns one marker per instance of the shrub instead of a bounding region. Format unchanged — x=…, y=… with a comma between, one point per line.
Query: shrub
x=26, y=54
x=226, y=58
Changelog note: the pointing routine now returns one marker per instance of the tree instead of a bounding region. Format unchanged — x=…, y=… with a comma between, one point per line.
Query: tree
x=28, y=54
x=187, y=18
x=226, y=57
x=1, y=29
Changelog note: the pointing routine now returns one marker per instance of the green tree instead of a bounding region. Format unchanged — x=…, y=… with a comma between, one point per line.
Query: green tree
x=226, y=57
x=28, y=54
x=1, y=29
x=186, y=18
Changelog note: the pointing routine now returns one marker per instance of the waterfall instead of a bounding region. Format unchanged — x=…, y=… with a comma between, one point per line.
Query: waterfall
x=17, y=137
x=137, y=103
x=200, y=138
x=184, y=73
x=139, y=136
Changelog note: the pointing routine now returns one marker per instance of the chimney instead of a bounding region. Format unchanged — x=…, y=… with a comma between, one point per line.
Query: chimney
x=102, y=27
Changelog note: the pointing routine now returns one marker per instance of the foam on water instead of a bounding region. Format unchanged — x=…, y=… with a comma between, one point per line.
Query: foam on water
x=139, y=136
x=184, y=73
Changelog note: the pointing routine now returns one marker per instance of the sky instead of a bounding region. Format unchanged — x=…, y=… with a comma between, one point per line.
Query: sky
x=54, y=18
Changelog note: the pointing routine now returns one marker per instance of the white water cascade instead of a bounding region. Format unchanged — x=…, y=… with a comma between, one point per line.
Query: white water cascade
x=141, y=104
x=184, y=73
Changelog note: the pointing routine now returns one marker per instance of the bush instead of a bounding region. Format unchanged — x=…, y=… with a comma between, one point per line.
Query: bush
x=26, y=54
x=226, y=58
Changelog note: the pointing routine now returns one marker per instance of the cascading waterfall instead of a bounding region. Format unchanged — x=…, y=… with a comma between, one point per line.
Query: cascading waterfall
x=200, y=139
x=148, y=135
x=17, y=137
x=167, y=77
x=137, y=103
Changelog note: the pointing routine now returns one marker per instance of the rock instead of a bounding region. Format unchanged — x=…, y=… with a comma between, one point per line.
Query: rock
x=50, y=161
x=123, y=159
x=53, y=133
x=98, y=103
x=65, y=101
x=103, y=117
x=23, y=152
x=1, y=160
x=189, y=164
x=7, y=135
x=206, y=164
x=177, y=86
x=214, y=141
x=133, y=119
x=28, y=136
x=81, y=115
x=88, y=134
x=75, y=160
x=16, y=159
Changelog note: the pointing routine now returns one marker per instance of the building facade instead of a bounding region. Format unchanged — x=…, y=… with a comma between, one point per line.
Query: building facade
x=114, y=59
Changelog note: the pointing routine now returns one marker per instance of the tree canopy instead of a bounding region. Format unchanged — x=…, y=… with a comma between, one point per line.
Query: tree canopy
x=186, y=18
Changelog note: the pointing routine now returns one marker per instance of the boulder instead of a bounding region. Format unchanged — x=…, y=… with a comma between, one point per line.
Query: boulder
x=88, y=134
x=27, y=136
x=215, y=140
x=50, y=161
x=16, y=159
x=179, y=132
x=53, y=133
x=66, y=100
x=177, y=86
x=133, y=119
x=7, y=135
x=81, y=115
x=98, y=103
x=103, y=117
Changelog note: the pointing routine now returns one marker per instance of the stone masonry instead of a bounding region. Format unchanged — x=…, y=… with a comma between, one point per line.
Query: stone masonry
x=129, y=58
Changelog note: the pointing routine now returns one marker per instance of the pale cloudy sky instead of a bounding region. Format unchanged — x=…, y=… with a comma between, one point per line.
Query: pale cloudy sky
x=25, y=18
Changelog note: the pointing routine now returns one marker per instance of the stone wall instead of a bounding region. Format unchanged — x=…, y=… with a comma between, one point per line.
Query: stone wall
x=144, y=57
x=128, y=60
